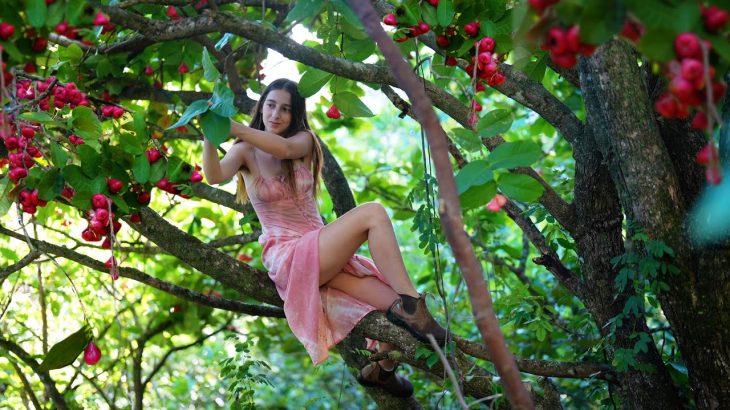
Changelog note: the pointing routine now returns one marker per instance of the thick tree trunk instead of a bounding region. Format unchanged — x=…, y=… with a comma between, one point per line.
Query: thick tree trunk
x=597, y=206
x=657, y=196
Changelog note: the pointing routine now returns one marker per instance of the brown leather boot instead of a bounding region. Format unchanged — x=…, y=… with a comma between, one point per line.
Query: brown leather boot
x=373, y=375
x=419, y=323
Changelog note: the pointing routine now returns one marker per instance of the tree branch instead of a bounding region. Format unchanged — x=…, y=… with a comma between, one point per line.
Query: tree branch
x=27, y=259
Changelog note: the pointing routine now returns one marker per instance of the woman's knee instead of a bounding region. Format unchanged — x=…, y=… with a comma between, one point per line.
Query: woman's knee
x=375, y=212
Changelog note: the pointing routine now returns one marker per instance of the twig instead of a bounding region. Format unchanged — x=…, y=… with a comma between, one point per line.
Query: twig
x=449, y=371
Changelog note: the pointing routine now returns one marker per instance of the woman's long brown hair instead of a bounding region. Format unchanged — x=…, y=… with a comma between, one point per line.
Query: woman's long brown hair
x=298, y=123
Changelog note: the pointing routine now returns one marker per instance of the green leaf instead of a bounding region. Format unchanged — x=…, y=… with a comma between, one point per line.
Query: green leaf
x=467, y=139
x=210, y=73
x=5, y=202
x=445, y=12
x=349, y=15
x=222, y=100
x=50, y=185
x=37, y=12
x=58, y=155
x=71, y=54
x=141, y=168
x=601, y=19
x=351, y=105
x=494, y=122
x=85, y=123
x=174, y=166
x=67, y=350
x=140, y=126
x=474, y=173
x=515, y=154
x=76, y=178
x=304, y=9
x=520, y=187
x=312, y=81
x=478, y=195
x=194, y=109
x=37, y=116
x=90, y=160
x=157, y=170
x=216, y=128
x=721, y=46
x=654, y=44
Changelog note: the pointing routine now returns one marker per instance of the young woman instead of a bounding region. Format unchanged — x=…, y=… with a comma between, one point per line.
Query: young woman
x=327, y=289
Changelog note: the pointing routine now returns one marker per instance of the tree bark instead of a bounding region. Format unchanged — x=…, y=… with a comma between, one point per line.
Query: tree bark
x=654, y=195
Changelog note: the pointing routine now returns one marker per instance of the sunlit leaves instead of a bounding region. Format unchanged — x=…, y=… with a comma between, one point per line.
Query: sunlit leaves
x=196, y=108
x=495, y=122
x=85, y=123
x=215, y=127
x=520, y=187
x=210, y=72
x=66, y=351
x=515, y=154
x=312, y=81
x=351, y=105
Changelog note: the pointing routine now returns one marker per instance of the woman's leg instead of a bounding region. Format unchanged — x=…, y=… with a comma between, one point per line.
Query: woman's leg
x=340, y=240
x=371, y=291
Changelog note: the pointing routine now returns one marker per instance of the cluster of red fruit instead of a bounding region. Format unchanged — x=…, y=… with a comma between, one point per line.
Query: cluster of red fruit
x=112, y=111
x=485, y=64
x=687, y=85
x=21, y=150
x=60, y=95
x=564, y=46
x=29, y=201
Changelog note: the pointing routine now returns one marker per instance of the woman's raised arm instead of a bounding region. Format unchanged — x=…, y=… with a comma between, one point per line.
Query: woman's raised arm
x=217, y=170
x=294, y=147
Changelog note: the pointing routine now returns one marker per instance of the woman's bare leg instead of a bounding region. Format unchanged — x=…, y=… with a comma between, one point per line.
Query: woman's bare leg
x=371, y=291
x=340, y=240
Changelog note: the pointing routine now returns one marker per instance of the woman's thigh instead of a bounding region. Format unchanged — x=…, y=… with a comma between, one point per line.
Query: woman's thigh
x=339, y=240
x=368, y=289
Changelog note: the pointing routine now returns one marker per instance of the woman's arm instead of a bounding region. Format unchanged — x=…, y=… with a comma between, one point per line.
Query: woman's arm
x=217, y=170
x=296, y=146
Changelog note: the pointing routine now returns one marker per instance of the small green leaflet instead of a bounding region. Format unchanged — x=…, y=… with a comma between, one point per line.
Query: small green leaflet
x=223, y=101
x=141, y=168
x=312, y=81
x=520, y=187
x=50, y=184
x=5, y=189
x=445, y=12
x=37, y=116
x=478, y=195
x=58, y=155
x=37, y=11
x=494, y=122
x=210, y=73
x=194, y=109
x=67, y=350
x=85, y=123
x=304, y=9
x=515, y=154
x=351, y=105
x=467, y=139
x=216, y=128
x=474, y=173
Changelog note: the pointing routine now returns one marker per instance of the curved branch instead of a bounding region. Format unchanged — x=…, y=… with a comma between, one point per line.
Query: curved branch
x=27, y=259
x=132, y=273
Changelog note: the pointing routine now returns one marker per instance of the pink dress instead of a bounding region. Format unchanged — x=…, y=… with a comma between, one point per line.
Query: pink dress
x=318, y=316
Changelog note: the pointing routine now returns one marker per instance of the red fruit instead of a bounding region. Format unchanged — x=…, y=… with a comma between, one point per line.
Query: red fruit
x=587, y=49
x=400, y=38
x=29, y=209
x=334, y=113
x=92, y=354
x=144, y=198
x=172, y=13
x=148, y=71
x=497, y=80
x=27, y=132
x=98, y=227
x=61, y=28
x=110, y=262
x=183, y=69
x=195, y=176
x=11, y=143
x=89, y=235
x=117, y=112
x=100, y=201
x=687, y=45
x=153, y=155
x=442, y=41
x=699, y=121
x=114, y=185
x=68, y=192
x=476, y=106
x=718, y=90
x=484, y=59
x=496, y=203
x=473, y=119
x=713, y=174
x=102, y=215
x=632, y=30
x=472, y=29
x=572, y=38
x=669, y=107
x=39, y=44
x=6, y=30
x=75, y=139
x=715, y=18
x=566, y=60
x=707, y=155
x=17, y=174
x=451, y=61
x=101, y=19
x=540, y=5
x=434, y=3
x=681, y=88
x=480, y=86
x=244, y=257
x=34, y=200
x=107, y=243
x=135, y=218
x=423, y=28
x=390, y=20
x=107, y=110
x=556, y=41
x=164, y=184
x=486, y=44
x=691, y=69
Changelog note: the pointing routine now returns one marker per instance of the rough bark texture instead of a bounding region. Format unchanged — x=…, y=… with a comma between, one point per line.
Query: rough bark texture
x=655, y=192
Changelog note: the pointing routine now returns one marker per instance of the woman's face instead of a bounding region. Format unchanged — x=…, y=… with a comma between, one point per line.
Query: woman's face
x=277, y=111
